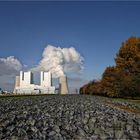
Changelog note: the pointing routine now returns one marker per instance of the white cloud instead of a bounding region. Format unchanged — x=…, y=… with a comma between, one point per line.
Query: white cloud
x=9, y=66
x=60, y=61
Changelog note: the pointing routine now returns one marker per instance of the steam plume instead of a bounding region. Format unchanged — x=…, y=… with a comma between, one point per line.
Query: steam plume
x=60, y=61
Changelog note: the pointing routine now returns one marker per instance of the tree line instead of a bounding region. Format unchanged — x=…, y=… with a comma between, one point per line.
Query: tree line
x=123, y=79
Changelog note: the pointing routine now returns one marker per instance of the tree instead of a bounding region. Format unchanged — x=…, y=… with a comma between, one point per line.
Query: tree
x=112, y=82
x=123, y=79
x=128, y=57
x=92, y=88
x=84, y=89
x=128, y=62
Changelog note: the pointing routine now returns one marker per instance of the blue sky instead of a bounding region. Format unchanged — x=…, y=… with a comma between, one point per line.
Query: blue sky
x=95, y=29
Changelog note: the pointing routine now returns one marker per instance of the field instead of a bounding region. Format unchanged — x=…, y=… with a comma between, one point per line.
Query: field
x=70, y=117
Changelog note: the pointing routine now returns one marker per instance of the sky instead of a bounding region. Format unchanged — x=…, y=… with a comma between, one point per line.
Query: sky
x=95, y=29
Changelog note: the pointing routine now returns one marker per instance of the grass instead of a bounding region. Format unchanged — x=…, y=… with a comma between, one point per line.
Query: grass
x=116, y=103
x=134, y=101
x=136, y=111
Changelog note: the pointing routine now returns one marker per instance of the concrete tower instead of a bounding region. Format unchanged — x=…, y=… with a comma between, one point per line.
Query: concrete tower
x=25, y=78
x=17, y=83
x=46, y=79
x=63, y=85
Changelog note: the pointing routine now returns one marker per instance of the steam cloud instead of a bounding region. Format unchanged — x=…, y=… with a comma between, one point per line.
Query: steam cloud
x=9, y=65
x=60, y=61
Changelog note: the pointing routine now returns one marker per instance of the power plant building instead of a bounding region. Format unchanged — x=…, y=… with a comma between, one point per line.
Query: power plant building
x=24, y=84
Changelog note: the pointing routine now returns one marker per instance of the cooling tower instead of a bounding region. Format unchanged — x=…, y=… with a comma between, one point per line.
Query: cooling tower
x=63, y=85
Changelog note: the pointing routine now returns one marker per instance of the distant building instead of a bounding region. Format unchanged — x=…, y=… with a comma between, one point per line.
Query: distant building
x=24, y=84
x=1, y=91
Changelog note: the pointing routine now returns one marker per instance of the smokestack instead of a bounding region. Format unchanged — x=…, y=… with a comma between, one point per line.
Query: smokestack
x=63, y=85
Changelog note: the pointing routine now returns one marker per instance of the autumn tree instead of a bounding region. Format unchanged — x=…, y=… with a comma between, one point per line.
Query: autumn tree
x=92, y=88
x=97, y=88
x=112, y=82
x=128, y=57
x=128, y=62
x=123, y=79
x=84, y=89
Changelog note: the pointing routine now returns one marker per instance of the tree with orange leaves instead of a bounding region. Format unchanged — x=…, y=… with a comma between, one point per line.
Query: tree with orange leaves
x=123, y=79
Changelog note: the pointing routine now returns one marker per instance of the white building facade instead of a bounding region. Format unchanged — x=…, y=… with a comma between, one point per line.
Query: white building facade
x=24, y=84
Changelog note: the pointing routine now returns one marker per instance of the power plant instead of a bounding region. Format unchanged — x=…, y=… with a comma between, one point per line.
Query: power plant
x=63, y=86
x=24, y=84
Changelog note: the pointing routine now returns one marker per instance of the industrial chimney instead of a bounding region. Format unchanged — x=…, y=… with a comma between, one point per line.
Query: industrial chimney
x=63, y=85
